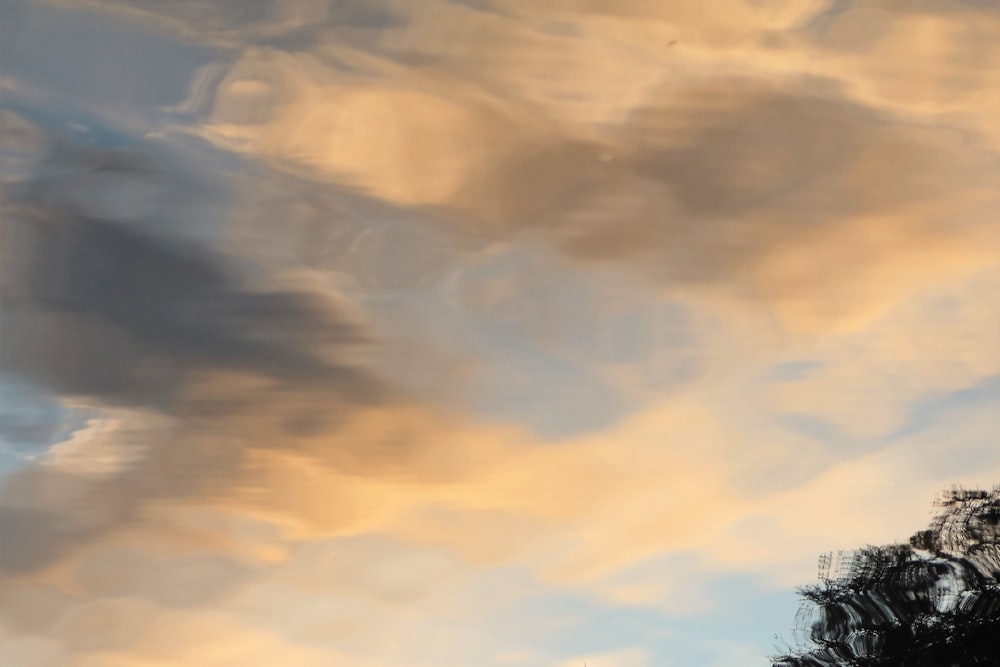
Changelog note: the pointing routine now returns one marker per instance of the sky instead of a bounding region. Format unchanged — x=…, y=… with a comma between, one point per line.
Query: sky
x=441, y=333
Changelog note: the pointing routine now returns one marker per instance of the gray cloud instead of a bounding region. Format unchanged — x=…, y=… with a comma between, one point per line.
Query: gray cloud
x=45, y=512
x=126, y=314
x=108, y=310
x=33, y=537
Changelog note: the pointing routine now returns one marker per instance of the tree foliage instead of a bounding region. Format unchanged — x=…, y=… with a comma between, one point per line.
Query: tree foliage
x=934, y=602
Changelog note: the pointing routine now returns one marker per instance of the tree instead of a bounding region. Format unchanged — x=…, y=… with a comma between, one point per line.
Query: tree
x=934, y=602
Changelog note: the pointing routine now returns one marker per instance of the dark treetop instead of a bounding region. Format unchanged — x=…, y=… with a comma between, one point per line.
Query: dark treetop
x=934, y=602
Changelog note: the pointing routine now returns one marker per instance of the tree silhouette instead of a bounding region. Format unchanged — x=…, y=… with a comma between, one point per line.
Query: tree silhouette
x=934, y=602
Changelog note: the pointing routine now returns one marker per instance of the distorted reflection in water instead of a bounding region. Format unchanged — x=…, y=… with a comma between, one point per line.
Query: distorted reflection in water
x=386, y=332
x=934, y=601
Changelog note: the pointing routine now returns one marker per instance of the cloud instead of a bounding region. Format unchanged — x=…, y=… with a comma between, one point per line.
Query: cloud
x=261, y=23
x=393, y=506
x=762, y=193
x=211, y=638
x=411, y=139
x=754, y=188
x=122, y=315
x=630, y=657
x=923, y=58
x=940, y=341
x=65, y=53
x=248, y=490
x=104, y=309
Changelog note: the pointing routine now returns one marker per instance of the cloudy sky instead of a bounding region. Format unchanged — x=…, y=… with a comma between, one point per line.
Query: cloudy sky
x=441, y=333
